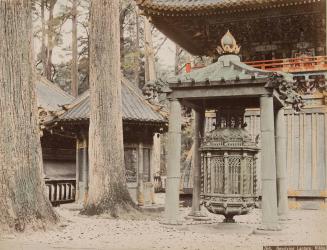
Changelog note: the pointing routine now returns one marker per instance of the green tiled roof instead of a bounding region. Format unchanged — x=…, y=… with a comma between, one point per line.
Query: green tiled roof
x=135, y=108
x=50, y=96
x=227, y=68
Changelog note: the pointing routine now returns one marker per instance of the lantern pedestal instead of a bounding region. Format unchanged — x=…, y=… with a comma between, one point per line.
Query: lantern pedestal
x=197, y=216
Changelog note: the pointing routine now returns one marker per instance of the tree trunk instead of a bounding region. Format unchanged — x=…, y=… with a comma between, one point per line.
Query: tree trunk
x=49, y=65
x=150, y=68
x=177, y=59
x=23, y=202
x=122, y=16
x=74, y=69
x=137, y=51
x=150, y=75
x=108, y=191
x=43, y=47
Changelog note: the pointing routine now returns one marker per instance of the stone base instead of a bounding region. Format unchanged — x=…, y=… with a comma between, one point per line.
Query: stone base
x=229, y=220
x=197, y=218
x=283, y=217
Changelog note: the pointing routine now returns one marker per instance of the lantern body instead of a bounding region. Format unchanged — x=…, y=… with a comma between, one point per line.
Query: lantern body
x=228, y=167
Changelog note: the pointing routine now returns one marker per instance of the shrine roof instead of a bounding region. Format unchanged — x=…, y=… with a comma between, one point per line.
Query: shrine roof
x=194, y=7
x=49, y=96
x=135, y=107
x=227, y=69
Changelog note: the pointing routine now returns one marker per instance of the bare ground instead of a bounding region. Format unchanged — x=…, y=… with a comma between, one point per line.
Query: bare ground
x=144, y=231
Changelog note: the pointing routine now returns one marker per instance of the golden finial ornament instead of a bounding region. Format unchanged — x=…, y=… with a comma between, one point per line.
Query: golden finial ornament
x=228, y=45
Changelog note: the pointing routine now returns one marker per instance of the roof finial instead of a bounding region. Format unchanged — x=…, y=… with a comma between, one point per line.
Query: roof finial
x=228, y=45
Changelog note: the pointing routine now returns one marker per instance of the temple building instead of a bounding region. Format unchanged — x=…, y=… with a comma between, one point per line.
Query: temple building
x=274, y=35
x=64, y=122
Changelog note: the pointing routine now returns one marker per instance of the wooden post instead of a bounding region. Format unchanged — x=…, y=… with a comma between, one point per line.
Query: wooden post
x=173, y=166
x=140, y=188
x=282, y=199
x=268, y=164
x=85, y=166
x=77, y=164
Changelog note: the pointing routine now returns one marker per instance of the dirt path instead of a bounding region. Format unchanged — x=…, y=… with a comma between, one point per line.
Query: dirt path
x=304, y=227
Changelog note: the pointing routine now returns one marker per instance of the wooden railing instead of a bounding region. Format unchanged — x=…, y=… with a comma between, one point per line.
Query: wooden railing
x=292, y=65
x=61, y=191
x=289, y=65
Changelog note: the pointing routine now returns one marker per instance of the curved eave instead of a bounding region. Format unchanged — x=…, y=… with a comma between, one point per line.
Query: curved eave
x=125, y=121
x=152, y=8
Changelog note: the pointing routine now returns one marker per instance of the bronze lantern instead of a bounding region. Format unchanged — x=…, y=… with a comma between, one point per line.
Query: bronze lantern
x=228, y=167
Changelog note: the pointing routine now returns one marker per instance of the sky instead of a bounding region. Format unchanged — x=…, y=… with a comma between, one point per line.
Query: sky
x=166, y=55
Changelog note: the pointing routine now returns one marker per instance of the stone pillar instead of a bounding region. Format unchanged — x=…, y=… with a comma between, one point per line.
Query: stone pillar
x=268, y=165
x=173, y=165
x=140, y=197
x=198, y=133
x=282, y=199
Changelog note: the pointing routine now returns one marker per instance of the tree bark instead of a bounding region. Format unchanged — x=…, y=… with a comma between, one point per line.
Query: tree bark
x=43, y=47
x=108, y=191
x=150, y=68
x=177, y=59
x=137, y=50
x=122, y=15
x=50, y=33
x=74, y=69
x=22, y=198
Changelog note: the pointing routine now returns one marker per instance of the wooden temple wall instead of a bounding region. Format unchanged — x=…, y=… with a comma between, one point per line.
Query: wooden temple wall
x=306, y=152
x=66, y=167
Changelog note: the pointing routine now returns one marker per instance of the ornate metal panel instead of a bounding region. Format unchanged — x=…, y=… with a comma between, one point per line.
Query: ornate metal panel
x=228, y=174
x=234, y=165
x=248, y=174
x=217, y=164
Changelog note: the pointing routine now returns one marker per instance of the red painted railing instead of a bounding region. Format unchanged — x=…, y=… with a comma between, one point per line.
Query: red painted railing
x=292, y=65
x=289, y=65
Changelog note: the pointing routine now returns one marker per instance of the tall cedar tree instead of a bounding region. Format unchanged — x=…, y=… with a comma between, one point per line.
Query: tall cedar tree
x=108, y=191
x=22, y=198
x=74, y=66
